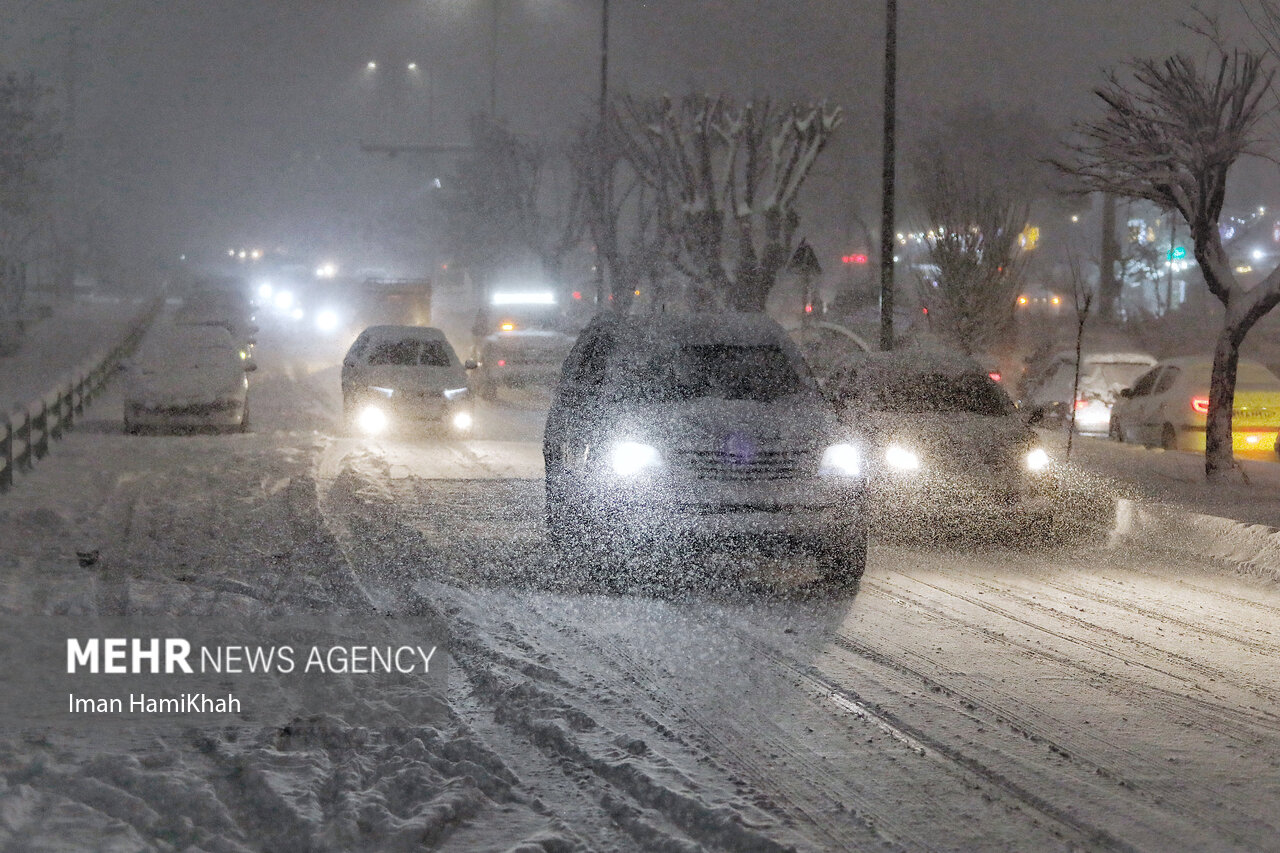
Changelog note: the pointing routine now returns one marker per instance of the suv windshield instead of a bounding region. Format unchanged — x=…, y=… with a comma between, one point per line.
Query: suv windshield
x=935, y=392
x=727, y=371
x=427, y=353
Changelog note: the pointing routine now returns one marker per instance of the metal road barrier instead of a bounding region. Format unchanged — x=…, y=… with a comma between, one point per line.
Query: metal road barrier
x=25, y=434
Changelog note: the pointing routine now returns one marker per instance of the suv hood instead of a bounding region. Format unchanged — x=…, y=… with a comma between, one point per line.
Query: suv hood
x=708, y=422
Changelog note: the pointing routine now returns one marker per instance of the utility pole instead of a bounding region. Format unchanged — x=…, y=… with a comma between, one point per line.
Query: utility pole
x=602, y=145
x=887, y=176
x=493, y=64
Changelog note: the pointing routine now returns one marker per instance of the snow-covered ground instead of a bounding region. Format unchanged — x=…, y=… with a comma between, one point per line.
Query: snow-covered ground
x=56, y=345
x=1053, y=696
x=1176, y=478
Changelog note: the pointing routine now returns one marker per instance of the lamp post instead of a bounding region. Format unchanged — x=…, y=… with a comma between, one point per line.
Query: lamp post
x=887, y=176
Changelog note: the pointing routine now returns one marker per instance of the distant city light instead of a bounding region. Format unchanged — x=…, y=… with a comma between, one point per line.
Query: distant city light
x=413, y=66
x=327, y=270
x=372, y=66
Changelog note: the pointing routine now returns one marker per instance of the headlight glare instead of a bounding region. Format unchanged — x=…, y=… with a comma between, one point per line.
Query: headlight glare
x=900, y=458
x=1037, y=459
x=462, y=421
x=371, y=420
x=841, y=460
x=386, y=392
x=628, y=458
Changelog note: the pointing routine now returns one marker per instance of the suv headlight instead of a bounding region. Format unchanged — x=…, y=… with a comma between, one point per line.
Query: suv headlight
x=1037, y=459
x=841, y=460
x=628, y=458
x=900, y=458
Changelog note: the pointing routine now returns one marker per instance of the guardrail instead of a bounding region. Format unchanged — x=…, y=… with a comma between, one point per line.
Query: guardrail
x=25, y=434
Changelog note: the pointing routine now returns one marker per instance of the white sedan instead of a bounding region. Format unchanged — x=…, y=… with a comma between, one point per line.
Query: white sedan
x=1168, y=406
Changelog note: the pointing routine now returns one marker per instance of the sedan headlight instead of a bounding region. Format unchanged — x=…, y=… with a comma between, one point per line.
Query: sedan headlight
x=455, y=393
x=462, y=421
x=900, y=458
x=1037, y=459
x=841, y=460
x=628, y=458
x=386, y=392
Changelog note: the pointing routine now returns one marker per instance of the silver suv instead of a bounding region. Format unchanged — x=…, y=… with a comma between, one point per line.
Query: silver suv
x=708, y=428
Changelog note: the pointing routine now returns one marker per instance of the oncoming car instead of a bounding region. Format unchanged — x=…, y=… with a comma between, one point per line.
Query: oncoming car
x=186, y=378
x=707, y=429
x=396, y=377
x=945, y=443
x=1168, y=407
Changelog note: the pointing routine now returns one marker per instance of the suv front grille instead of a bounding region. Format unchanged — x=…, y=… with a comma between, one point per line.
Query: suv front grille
x=773, y=464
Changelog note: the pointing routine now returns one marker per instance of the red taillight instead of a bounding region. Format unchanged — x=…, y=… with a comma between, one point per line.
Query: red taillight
x=995, y=375
x=502, y=362
x=1081, y=403
x=1200, y=405
x=577, y=294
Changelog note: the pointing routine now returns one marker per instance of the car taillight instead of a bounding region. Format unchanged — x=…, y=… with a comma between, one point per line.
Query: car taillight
x=1081, y=403
x=995, y=375
x=502, y=362
x=1200, y=405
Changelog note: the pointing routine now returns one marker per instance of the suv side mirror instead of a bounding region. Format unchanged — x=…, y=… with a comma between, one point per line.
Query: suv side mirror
x=470, y=364
x=1126, y=393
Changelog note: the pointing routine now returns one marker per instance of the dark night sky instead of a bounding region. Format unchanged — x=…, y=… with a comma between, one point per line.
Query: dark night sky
x=210, y=122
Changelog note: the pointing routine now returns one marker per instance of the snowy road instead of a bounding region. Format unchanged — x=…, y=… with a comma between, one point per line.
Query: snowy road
x=1068, y=697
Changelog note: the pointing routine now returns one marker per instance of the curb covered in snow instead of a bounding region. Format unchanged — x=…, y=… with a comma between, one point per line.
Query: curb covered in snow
x=1253, y=549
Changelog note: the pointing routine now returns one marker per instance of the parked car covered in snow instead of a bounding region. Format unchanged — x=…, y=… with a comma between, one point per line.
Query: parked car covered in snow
x=1102, y=377
x=1168, y=407
x=187, y=378
x=228, y=309
x=945, y=442
x=397, y=377
x=673, y=429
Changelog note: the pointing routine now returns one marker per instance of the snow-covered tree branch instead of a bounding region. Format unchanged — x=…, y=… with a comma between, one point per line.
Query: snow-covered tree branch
x=1170, y=135
x=726, y=178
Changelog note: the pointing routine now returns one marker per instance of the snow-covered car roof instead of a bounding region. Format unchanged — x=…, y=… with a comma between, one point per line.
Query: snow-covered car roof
x=870, y=366
x=1107, y=358
x=1250, y=372
x=721, y=327
x=374, y=334
x=164, y=341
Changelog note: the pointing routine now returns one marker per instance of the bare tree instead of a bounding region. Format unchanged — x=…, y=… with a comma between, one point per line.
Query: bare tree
x=1171, y=135
x=976, y=260
x=725, y=180
x=28, y=142
x=622, y=215
x=494, y=211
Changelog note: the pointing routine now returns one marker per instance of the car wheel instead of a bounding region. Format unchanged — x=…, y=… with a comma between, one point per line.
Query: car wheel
x=843, y=564
x=1168, y=437
x=244, y=420
x=1113, y=431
